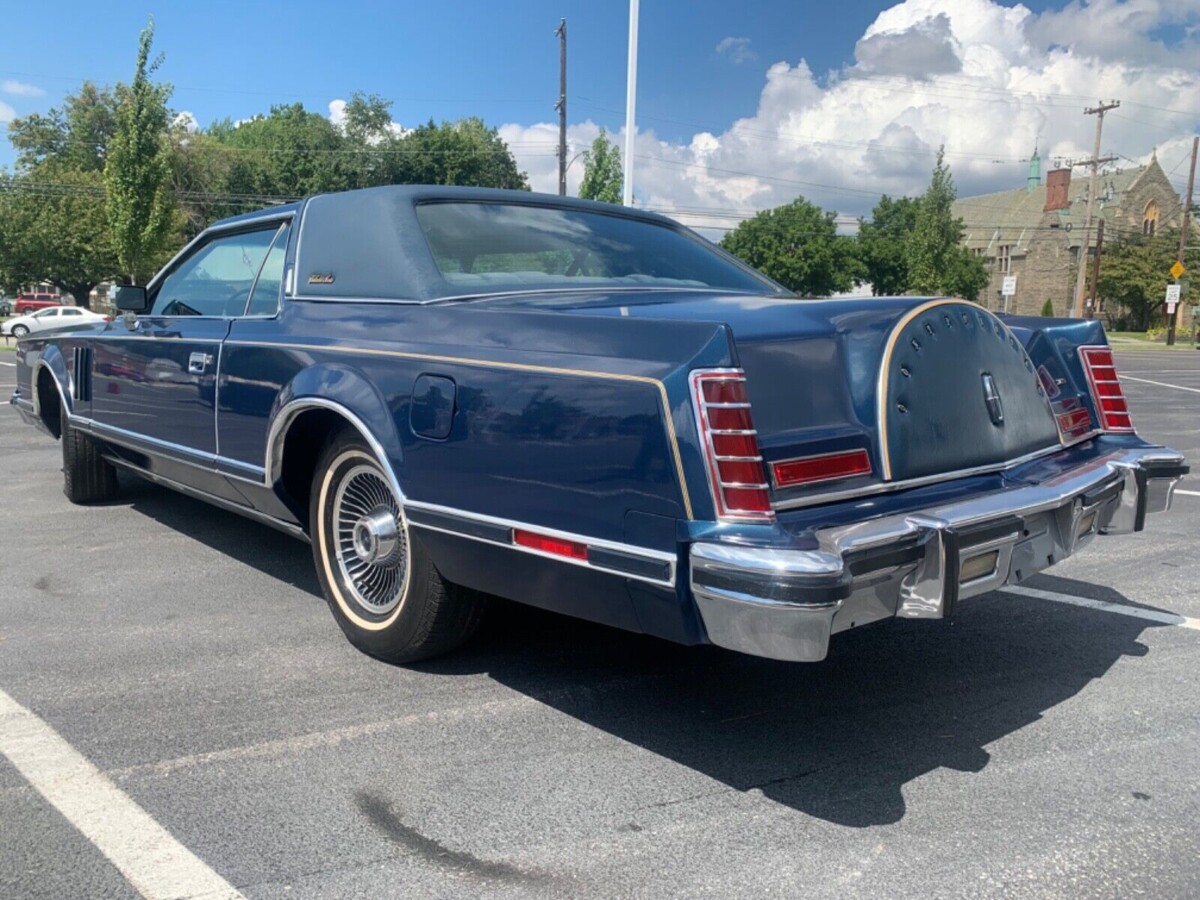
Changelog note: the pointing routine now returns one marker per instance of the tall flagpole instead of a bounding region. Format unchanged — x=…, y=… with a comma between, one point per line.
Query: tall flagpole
x=630, y=101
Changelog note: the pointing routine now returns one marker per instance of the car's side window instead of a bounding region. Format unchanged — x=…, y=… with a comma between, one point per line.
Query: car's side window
x=264, y=301
x=46, y=314
x=216, y=279
x=71, y=312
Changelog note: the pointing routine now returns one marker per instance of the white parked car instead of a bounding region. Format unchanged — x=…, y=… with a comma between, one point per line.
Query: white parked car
x=51, y=317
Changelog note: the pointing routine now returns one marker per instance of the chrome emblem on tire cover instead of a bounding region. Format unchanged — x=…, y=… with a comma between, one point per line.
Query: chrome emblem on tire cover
x=991, y=399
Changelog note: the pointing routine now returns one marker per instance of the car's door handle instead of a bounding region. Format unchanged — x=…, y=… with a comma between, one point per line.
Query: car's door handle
x=198, y=362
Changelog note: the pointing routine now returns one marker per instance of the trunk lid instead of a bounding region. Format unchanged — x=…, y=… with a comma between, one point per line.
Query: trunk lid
x=926, y=387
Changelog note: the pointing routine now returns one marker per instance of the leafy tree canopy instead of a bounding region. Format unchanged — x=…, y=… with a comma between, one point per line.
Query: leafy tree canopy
x=882, y=244
x=602, y=176
x=141, y=212
x=1135, y=273
x=797, y=244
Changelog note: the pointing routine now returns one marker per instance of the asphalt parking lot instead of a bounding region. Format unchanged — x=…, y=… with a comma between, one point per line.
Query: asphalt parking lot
x=221, y=731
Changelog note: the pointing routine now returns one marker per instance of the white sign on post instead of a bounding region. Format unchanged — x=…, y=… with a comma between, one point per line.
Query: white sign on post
x=1009, y=286
x=1172, y=294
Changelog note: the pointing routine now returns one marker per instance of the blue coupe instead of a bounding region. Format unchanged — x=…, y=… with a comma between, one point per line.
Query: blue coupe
x=457, y=393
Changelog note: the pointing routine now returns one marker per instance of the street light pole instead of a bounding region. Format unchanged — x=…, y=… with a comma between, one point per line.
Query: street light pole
x=630, y=102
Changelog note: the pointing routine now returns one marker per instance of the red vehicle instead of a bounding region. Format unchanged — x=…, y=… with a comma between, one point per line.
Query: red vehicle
x=27, y=303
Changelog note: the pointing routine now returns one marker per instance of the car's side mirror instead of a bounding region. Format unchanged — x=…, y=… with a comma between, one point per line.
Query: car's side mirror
x=131, y=298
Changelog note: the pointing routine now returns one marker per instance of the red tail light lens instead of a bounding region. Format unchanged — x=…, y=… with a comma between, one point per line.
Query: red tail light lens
x=731, y=455
x=1106, y=388
x=824, y=467
x=547, y=544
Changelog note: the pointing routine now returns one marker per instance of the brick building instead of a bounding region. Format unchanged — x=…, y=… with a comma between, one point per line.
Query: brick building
x=1035, y=232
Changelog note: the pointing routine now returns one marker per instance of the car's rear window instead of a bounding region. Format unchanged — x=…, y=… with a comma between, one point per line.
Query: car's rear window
x=490, y=247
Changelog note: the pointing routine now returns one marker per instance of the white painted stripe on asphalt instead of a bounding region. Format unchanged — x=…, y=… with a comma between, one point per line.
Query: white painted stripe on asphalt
x=1187, y=493
x=153, y=862
x=1152, y=615
x=10, y=365
x=1178, y=387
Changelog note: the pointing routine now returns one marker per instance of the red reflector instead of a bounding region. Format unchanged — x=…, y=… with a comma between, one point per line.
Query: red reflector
x=724, y=391
x=735, y=445
x=747, y=500
x=727, y=419
x=740, y=471
x=547, y=544
x=1106, y=389
x=825, y=467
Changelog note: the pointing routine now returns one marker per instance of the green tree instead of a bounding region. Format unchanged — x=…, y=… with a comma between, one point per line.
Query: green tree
x=602, y=176
x=1048, y=308
x=937, y=263
x=466, y=152
x=74, y=135
x=1135, y=273
x=53, y=224
x=797, y=244
x=141, y=211
x=286, y=154
x=883, y=244
x=53, y=228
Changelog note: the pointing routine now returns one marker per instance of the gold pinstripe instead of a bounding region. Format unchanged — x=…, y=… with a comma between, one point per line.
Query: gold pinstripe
x=520, y=367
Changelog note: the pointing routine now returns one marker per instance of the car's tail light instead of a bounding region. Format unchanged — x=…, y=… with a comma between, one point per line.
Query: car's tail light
x=822, y=467
x=1076, y=422
x=1107, y=393
x=731, y=456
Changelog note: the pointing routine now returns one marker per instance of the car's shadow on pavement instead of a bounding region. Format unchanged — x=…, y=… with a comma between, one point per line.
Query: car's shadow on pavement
x=838, y=740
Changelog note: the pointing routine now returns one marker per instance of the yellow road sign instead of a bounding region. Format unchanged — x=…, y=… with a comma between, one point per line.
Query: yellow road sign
x=1177, y=270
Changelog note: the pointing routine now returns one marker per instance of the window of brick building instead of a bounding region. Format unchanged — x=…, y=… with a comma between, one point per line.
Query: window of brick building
x=1004, y=259
x=1150, y=219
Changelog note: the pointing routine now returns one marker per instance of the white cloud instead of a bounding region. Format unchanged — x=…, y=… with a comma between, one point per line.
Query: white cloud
x=984, y=79
x=337, y=112
x=186, y=120
x=7, y=113
x=20, y=88
x=737, y=49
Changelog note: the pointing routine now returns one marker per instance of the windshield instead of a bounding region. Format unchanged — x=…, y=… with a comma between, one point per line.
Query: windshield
x=498, y=247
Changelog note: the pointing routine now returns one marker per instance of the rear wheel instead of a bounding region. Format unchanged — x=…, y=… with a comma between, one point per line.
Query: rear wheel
x=381, y=585
x=87, y=476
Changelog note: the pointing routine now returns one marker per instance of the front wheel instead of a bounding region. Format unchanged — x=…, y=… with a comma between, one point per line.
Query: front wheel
x=20, y=330
x=381, y=585
x=87, y=476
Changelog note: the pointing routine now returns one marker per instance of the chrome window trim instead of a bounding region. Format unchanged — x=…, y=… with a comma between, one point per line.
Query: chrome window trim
x=257, y=275
x=646, y=553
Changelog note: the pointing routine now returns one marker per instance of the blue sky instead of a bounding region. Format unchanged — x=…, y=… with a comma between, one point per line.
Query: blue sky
x=500, y=61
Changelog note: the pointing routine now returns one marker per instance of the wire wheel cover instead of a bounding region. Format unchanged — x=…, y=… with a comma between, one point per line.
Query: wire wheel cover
x=369, y=541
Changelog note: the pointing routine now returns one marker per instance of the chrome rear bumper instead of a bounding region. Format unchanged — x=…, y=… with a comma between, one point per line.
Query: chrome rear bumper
x=785, y=603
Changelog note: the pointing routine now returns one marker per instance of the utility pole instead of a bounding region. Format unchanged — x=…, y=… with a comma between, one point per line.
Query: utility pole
x=1095, y=162
x=561, y=106
x=1183, y=236
x=1095, y=307
x=630, y=102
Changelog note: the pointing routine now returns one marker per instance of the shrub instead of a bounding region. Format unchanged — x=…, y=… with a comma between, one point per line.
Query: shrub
x=1048, y=308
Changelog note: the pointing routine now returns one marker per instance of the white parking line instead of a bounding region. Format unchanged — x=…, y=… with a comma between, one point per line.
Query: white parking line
x=1178, y=387
x=10, y=365
x=153, y=862
x=1152, y=615
x=1187, y=493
